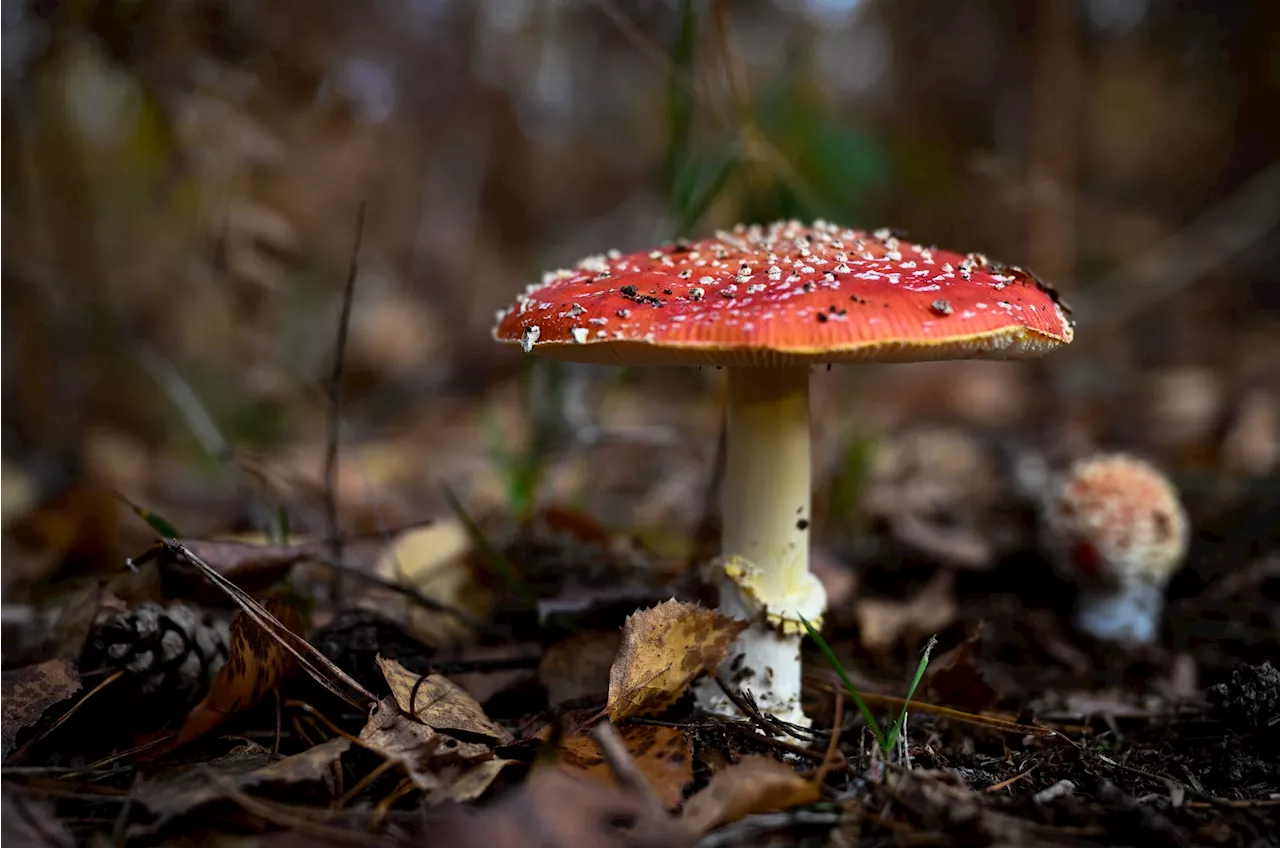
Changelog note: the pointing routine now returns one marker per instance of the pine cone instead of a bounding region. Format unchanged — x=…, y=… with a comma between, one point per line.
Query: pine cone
x=174, y=650
x=356, y=637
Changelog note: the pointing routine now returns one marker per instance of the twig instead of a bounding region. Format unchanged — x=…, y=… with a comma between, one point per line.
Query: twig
x=750, y=710
x=833, y=744
x=1000, y=724
x=619, y=759
x=749, y=731
x=311, y=660
x=364, y=782
x=285, y=817
x=334, y=538
x=1005, y=784
x=425, y=601
x=743, y=831
x=705, y=535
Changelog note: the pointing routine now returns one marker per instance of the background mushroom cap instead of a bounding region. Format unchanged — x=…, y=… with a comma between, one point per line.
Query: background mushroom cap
x=1114, y=519
x=787, y=294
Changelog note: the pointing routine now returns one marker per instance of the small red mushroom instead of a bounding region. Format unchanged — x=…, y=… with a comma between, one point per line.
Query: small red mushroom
x=768, y=302
x=1114, y=525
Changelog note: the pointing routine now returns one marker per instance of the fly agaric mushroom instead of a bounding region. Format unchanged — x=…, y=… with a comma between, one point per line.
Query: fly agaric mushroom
x=1113, y=524
x=767, y=303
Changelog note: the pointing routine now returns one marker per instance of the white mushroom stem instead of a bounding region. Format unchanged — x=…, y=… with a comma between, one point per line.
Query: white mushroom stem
x=1128, y=615
x=764, y=576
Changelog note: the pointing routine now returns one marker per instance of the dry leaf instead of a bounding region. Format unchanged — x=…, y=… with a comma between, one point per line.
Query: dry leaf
x=663, y=649
x=433, y=559
x=955, y=679
x=882, y=624
x=252, y=567
x=31, y=690
x=439, y=703
x=179, y=791
x=579, y=666
x=554, y=809
x=662, y=754
x=256, y=664
x=469, y=784
x=756, y=784
x=422, y=750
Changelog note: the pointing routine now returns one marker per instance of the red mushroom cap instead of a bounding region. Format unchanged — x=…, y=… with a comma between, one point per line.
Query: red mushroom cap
x=787, y=294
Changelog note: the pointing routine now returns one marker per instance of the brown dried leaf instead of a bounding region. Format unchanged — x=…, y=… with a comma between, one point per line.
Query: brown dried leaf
x=440, y=703
x=29, y=691
x=756, y=784
x=956, y=681
x=579, y=666
x=554, y=809
x=468, y=785
x=256, y=664
x=882, y=624
x=662, y=754
x=663, y=649
x=179, y=791
x=252, y=567
x=420, y=749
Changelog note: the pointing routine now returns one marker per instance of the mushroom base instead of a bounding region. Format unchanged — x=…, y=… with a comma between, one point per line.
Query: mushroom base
x=1128, y=615
x=765, y=658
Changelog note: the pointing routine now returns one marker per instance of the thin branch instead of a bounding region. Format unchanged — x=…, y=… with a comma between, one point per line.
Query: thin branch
x=316, y=664
x=334, y=538
x=619, y=759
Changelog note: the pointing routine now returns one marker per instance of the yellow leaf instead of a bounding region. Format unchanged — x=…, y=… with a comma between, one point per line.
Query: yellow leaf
x=439, y=702
x=663, y=649
x=435, y=561
x=756, y=784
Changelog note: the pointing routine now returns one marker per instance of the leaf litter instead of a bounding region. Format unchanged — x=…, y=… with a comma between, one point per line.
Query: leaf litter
x=256, y=665
x=438, y=702
x=662, y=755
x=477, y=761
x=30, y=691
x=663, y=649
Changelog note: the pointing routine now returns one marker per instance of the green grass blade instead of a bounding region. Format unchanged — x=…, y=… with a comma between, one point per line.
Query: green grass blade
x=848, y=684
x=156, y=522
x=896, y=730
x=278, y=531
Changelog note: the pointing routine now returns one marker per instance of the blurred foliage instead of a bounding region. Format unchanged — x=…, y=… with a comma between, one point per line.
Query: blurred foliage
x=182, y=177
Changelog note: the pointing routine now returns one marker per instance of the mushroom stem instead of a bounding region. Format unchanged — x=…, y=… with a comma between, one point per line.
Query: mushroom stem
x=767, y=475
x=763, y=577
x=1128, y=615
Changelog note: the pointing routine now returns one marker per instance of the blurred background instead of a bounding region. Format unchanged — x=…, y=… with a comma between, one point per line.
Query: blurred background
x=183, y=191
